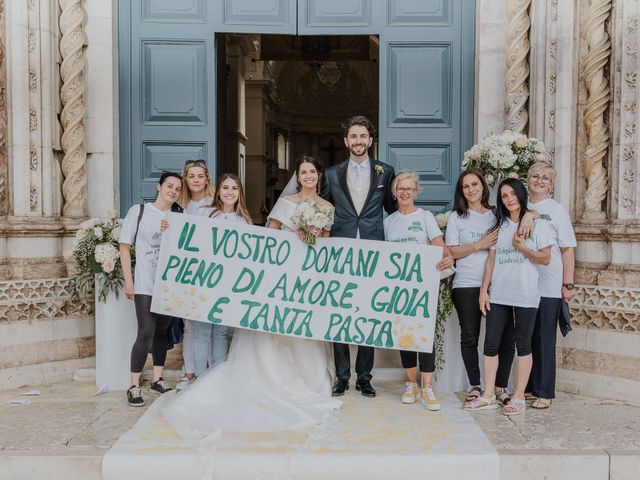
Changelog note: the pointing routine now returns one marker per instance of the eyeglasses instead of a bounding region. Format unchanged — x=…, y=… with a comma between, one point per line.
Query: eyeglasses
x=540, y=178
x=405, y=189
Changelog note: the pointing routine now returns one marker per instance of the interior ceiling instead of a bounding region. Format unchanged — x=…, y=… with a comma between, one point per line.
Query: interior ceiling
x=298, y=67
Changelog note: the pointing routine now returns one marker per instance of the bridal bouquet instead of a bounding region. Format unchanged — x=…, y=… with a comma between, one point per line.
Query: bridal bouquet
x=506, y=155
x=95, y=250
x=310, y=216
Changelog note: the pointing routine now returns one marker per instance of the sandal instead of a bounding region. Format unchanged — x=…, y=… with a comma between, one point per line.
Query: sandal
x=472, y=394
x=529, y=396
x=516, y=406
x=481, y=403
x=502, y=396
x=541, y=403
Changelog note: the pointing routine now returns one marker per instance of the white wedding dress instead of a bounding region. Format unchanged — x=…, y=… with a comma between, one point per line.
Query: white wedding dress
x=269, y=382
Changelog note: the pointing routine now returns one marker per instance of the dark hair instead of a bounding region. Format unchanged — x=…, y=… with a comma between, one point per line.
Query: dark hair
x=460, y=204
x=175, y=206
x=359, y=120
x=307, y=159
x=166, y=174
x=502, y=214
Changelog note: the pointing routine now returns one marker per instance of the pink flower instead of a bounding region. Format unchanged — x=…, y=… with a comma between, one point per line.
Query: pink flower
x=108, y=266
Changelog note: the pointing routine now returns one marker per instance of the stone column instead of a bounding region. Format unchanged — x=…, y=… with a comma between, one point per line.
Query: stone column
x=625, y=122
x=4, y=162
x=517, y=78
x=73, y=111
x=598, y=95
x=554, y=62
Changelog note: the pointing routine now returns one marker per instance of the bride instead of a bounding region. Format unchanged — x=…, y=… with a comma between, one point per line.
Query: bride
x=269, y=382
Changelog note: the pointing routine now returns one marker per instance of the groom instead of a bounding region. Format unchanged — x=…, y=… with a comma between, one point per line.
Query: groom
x=359, y=188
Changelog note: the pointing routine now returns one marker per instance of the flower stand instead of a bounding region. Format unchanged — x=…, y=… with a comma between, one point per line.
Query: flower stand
x=116, y=330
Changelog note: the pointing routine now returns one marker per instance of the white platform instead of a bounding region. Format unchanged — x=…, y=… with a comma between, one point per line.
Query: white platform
x=369, y=438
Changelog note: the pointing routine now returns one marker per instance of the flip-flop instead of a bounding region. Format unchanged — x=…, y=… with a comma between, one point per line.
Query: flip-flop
x=541, y=403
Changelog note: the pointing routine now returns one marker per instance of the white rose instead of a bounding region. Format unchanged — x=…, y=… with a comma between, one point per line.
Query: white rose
x=97, y=231
x=489, y=179
x=115, y=234
x=108, y=266
x=521, y=141
x=513, y=175
x=442, y=219
x=81, y=234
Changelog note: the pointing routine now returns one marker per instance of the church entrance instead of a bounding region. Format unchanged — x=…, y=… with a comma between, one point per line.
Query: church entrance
x=296, y=92
x=248, y=85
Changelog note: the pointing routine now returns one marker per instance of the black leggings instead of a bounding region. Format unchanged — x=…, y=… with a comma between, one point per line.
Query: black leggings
x=410, y=360
x=510, y=324
x=466, y=301
x=152, y=335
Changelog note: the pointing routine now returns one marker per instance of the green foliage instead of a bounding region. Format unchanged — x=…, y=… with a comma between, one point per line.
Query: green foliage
x=97, y=258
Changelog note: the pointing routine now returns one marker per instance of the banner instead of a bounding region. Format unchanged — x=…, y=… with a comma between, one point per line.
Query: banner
x=362, y=292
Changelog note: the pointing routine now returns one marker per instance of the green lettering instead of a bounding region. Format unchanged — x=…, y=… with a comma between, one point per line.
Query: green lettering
x=217, y=309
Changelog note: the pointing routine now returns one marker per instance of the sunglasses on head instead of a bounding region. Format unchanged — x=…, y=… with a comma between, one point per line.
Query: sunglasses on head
x=198, y=163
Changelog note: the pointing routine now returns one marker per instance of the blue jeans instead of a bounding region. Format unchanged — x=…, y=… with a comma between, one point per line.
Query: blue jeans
x=209, y=341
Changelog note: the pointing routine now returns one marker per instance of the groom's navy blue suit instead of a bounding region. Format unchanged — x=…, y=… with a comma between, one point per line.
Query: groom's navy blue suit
x=346, y=224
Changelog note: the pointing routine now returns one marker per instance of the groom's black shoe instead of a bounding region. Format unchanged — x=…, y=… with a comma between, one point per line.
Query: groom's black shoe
x=365, y=388
x=340, y=387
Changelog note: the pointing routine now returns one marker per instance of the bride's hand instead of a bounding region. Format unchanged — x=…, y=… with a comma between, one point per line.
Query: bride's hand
x=315, y=231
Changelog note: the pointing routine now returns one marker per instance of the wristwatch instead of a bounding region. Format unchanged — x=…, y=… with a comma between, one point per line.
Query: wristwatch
x=569, y=286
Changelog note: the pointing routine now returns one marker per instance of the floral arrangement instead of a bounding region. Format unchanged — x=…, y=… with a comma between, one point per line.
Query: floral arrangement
x=506, y=155
x=445, y=305
x=310, y=216
x=95, y=250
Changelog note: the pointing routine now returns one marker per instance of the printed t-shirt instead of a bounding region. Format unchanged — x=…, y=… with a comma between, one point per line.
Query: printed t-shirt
x=557, y=218
x=464, y=231
x=147, y=244
x=416, y=227
x=515, y=278
x=195, y=207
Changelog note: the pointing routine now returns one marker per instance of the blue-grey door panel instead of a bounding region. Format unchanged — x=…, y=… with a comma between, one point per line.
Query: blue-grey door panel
x=255, y=16
x=426, y=121
x=168, y=80
x=422, y=13
x=167, y=85
x=340, y=17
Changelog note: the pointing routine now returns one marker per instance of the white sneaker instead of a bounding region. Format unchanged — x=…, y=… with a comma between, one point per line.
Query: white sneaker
x=429, y=399
x=411, y=394
x=184, y=383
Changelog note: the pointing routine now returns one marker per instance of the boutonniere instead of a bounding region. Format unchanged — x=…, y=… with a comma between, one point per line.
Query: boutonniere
x=379, y=169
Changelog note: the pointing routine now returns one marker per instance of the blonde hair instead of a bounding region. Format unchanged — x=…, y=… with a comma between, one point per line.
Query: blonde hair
x=405, y=175
x=185, y=194
x=540, y=167
x=241, y=204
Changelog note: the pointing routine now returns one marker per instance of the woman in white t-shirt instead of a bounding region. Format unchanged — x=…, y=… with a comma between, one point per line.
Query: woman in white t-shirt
x=145, y=232
x=197, y=193
x=512, y=301
x=469, y=238
x=410, y=224
x=556, y=283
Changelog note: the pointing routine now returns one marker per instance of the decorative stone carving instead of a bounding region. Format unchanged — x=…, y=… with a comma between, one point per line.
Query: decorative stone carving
x=33, y=81
x=631, y=106
x=598, y=96
x=552, y=84
x=4, y=162
x=71, y=94
x=33, y=155
x=606, y=308
x=631, y=78
x=32, y=300
x=517, y=88
x=33, y=196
